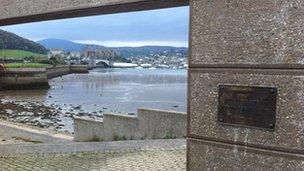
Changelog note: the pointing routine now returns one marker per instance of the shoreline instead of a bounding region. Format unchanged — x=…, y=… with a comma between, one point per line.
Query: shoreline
x=48, y=111
x=40, y=115
x=35, y=78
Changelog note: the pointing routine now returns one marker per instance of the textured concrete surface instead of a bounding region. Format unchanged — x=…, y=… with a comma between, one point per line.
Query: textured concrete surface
x=225, y=38
x=204, y=155
x=74, y=147
x=158, y=160
x=119, y=127
x=14, y=8
x=156, y=124
x=247, y=32
x=86, y=129
x=147, y=124
x=290, y=106
x=17, y=11
x=122, y=155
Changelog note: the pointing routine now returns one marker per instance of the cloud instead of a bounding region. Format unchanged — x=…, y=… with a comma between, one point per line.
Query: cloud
x=166, y=27
x=116, y=43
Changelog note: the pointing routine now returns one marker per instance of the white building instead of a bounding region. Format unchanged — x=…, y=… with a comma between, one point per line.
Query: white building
x=56, y=52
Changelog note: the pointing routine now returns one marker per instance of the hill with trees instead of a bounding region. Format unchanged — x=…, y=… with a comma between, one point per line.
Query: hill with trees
x=11, y=41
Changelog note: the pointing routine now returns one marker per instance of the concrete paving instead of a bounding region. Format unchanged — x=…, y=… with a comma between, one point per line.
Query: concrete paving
x=137, y=160
x=124, y=155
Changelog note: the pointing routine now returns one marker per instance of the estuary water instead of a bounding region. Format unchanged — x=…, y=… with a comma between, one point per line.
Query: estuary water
x=102, y=90
x=122, y=90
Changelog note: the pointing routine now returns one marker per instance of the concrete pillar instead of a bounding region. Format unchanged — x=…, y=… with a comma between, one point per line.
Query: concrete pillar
x=256, y=43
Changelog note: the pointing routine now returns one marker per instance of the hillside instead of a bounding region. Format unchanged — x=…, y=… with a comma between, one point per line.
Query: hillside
x=13, y=41
x=69, y=46
x=66, y=45
x=20, y=54
x=124, y=52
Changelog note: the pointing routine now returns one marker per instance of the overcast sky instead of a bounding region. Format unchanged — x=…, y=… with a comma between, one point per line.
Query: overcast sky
x=155, y=27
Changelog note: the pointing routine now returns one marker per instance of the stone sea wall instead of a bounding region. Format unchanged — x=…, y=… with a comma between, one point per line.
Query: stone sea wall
x=147, y=124
x=35, y=78
x=65, y=69
x=24, y=78
x=79, y=69
x=57, y=71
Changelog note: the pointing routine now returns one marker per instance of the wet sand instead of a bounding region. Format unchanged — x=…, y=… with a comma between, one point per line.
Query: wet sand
x=39, y=115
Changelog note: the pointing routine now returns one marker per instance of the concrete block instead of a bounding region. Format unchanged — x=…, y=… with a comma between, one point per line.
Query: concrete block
x=158, y=124
x=203, y=102
x=120, y=127
x=264, y=33
x=208, y=155
x=148, y=124
x=86, y=129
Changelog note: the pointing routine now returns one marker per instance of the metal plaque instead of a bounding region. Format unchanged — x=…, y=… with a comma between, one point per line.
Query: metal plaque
x=247, y=106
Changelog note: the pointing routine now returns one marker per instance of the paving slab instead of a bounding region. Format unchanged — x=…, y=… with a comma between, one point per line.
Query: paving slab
x=122, y=155
x=137, y=160
x=74, y=147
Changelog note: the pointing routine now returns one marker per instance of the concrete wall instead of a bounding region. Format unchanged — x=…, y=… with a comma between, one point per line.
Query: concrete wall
x=120, y=127
x=25, y=78
x=86, y=129
x=156, y=124
x=246, y=43
x=148, y=124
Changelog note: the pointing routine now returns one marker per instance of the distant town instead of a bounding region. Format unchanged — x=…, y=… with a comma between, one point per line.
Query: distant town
x=101, y=58
x=17, y=51
x=126, y=57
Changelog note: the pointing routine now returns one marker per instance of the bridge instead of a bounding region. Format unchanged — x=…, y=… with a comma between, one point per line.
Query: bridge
x=98, y=58
x=103, y=63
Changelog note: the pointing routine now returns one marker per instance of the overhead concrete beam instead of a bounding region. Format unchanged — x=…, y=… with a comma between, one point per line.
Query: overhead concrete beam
x=20, y=11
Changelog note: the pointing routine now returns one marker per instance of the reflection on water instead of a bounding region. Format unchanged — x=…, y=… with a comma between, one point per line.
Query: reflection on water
x=109, y=90
x=122, y=90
